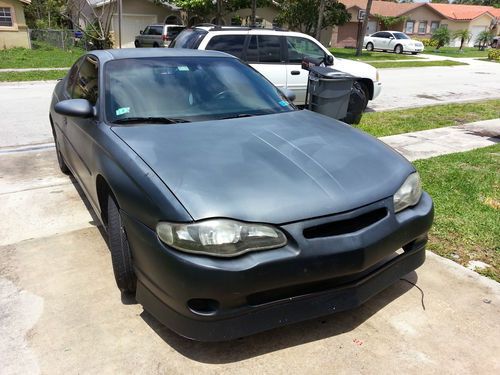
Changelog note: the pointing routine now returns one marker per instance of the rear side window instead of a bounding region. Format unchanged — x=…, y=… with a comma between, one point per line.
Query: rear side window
x=189, y=38
x=156, y=30
x=264, y=49
x=173, y=31
x=232, y=44
x=86, y=82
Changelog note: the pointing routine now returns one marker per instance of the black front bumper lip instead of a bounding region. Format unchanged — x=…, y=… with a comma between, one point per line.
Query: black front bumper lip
x=290, y=310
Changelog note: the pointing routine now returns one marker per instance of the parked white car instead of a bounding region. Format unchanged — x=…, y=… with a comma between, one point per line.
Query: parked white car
x=392, y=41
x=277, y=55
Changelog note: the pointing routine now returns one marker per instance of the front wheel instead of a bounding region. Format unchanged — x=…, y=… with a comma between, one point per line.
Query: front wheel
x=369, y=46
x=398, y=49
x=121, y=257
x=414, y=53
x=137, y=44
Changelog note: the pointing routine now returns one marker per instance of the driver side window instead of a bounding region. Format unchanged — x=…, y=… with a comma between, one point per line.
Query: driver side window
x=300, y=47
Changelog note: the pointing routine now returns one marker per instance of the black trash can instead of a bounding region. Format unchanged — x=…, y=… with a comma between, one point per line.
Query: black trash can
x=329, y=91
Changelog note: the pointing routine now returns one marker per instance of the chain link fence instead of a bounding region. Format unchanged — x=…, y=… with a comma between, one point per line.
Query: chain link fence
x=63, y=39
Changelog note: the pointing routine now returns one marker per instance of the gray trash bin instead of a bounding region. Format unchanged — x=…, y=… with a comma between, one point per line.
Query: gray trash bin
x=329, y=91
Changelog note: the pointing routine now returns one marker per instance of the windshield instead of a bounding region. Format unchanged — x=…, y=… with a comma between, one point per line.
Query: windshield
x=401, y=36
x=183, y=89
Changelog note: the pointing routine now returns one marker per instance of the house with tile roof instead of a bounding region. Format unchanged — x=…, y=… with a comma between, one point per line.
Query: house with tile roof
x=13, y=29
x=418, y=20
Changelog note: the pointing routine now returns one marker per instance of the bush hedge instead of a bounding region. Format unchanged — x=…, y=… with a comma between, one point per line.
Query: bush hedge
x=494, y=54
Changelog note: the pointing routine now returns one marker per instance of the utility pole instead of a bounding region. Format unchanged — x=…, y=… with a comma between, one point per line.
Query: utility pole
x=320, y=20
x=219, y=12
x=120, y=23
x=359, y=45
x=254, y=12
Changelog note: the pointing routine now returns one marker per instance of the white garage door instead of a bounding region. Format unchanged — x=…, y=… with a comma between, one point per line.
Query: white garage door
x=131, y=25
x=475, y=30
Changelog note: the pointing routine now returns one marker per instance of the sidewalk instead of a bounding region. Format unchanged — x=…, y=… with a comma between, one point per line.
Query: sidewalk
x=7, y=70
x=429, y=143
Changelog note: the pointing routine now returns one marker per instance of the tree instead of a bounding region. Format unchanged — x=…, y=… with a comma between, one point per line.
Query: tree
x=389, y=21
x=495, y=3
x=359, y=44
x=303, y=15
x=42, y=14
x=97, y=28
x=441, y=36
x=484, y=38
x=464, y=36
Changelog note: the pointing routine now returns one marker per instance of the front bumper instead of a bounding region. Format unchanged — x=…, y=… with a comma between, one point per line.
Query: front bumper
x=210, y=299
x=377, y=89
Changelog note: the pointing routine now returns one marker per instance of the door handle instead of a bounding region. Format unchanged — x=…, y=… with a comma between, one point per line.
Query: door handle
x=295, y=72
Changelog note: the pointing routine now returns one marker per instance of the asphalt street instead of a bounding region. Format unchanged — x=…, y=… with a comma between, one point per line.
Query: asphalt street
x=60, y=310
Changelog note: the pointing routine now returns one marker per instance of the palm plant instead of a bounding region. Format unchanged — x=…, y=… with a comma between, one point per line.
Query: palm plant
x=441, y=36
x=464, y=36
x=483, y=39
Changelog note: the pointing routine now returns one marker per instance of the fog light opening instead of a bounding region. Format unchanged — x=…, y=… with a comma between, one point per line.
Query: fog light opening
x=203, y=306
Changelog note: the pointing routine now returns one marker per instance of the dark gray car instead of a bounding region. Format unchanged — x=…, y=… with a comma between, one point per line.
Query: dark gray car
x=228, y=211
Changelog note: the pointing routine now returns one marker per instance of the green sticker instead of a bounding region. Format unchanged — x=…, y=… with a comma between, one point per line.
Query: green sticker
x=183, y=68
x=122, y=111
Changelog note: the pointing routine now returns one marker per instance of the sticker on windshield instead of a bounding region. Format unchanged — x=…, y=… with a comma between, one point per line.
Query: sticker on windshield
x=122, y=111
x=283, y=103
x=183, y=68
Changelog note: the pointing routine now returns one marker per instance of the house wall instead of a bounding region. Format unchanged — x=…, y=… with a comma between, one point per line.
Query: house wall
x=480, y=23
x=17, y=35
x=421, y=15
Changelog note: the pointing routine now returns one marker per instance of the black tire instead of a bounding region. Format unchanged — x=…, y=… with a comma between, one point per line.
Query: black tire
x=369, y=46
x=121, y=258
x=137, y=44
x=414, y=53
x=156, y=45
x=366, y=92
x=60, y=158
x=398, y=49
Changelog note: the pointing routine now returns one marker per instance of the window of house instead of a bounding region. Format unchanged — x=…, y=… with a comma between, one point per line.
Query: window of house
x=434, y=26
x=422, y=27
x=6, y=17
x=409, y=27
x=232, y=44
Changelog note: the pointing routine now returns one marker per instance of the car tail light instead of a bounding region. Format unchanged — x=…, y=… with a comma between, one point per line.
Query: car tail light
x=165, y=37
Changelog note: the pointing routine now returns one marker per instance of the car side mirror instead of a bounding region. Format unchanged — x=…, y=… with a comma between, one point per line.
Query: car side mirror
x=290, y=95
x=141, y=31
x=75, y=108
x=391, y=37
x=329, y=60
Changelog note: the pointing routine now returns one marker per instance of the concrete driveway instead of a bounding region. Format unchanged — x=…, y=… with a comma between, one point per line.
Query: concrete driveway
x=60, y=311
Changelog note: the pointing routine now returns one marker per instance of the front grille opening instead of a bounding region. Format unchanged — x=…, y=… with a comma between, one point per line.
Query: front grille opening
x=336, y=228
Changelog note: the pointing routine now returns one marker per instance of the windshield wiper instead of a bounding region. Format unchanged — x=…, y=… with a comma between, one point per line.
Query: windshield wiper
x=241, y=115
x=150, y=120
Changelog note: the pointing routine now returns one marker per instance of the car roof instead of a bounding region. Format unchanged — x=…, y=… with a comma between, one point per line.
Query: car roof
x=127, y=53
x=239, y=28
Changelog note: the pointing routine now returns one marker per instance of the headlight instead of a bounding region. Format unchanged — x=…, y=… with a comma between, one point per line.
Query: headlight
x=220, y=237
x=409, y=193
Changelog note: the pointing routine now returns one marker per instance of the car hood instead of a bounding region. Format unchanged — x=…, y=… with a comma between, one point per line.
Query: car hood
x=276, y=168
x=356, y=68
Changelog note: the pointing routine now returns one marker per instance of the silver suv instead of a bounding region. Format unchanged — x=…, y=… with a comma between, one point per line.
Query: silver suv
x=158, y=35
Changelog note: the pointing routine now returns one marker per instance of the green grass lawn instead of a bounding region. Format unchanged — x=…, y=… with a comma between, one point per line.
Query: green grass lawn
x=414, y=119
x=454, y=52
x=413, y=64
x=348, y=53
x=465, y=188
x=45, y=57
x=35, y=75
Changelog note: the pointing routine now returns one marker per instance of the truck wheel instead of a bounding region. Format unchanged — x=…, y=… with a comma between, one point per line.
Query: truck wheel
x=121, y=257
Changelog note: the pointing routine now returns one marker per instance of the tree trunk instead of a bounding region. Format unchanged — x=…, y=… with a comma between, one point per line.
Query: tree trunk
x=219, y=12
x=359, y=45
x=254, y=12
x=320, y=20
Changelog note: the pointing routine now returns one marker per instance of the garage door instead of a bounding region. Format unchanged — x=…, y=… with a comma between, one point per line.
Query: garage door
x=131, y=25
x=475, y=31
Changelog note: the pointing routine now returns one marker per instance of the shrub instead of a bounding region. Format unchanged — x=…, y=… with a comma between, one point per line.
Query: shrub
x=427, y=42
x=494, y=54
x=441, y=36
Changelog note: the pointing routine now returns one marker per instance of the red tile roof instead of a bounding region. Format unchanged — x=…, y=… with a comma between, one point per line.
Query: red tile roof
x=451, y=11
x=463, y=12
x=384, y=8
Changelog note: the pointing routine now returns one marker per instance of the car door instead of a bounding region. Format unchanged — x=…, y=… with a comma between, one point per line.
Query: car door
x=80, y=131
x=265, y=54
x=296, y=78
x=391, y=41
x=143, y=39
x=377, y=40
